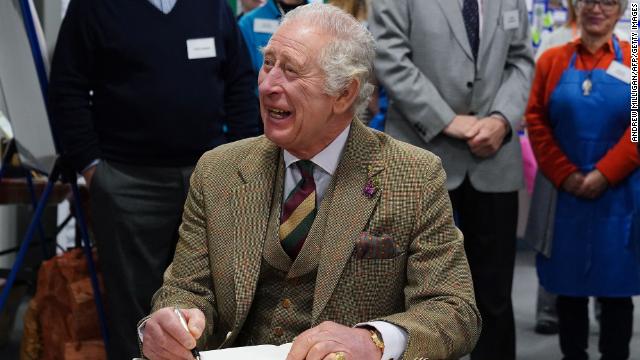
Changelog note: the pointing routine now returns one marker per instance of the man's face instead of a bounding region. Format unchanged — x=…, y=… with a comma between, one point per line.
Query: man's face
x=297, y=114
x=598, y=19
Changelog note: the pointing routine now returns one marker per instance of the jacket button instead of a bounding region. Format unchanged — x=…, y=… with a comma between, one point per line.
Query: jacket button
x=277, y=331
x=469, y=85
x=286, y=303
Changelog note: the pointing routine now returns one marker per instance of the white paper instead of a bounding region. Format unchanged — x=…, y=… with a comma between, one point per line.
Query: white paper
x=511, y=19
x=620, y=72
x=261, y=352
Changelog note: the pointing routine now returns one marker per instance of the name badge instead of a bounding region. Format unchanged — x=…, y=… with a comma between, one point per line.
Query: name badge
x=620, y=72
x=511, y=19
x=265, y=26
x=201, y=48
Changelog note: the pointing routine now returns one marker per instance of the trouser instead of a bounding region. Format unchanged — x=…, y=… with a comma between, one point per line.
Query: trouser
x=136, y=212
x=546, y=306
x=616, y=327
x=488, y=222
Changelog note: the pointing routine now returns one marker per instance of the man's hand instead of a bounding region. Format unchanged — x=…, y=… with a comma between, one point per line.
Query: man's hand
x=593, y=186
x=573, y=183
x=488, y=134
x=165, y=338
x=328, y=338
x=88, y=175
x=461, y=127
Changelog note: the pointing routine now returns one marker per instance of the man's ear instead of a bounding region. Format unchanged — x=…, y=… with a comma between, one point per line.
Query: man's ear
x=345, y=100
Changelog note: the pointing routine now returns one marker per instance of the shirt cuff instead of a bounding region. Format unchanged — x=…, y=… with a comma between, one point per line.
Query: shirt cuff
x=499, y=115
x=394, y=338
x=91, y=164
x=141, y=330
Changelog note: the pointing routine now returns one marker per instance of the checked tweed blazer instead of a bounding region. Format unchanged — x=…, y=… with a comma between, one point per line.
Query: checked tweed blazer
x=394, y=256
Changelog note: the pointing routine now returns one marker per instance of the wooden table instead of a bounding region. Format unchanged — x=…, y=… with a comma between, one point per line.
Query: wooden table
x=16, y=191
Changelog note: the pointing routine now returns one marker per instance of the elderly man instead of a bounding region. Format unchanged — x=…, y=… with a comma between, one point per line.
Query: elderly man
x=458, y=74
x=322, y=231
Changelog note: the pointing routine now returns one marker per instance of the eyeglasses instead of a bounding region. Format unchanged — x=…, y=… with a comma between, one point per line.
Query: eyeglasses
x=607, y=5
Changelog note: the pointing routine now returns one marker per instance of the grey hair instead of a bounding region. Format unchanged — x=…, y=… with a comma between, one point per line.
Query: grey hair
x=623, y=5
x=349, y=55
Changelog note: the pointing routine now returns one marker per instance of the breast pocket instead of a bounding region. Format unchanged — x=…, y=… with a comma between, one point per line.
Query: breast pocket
x=369, y=246
x=377, y=285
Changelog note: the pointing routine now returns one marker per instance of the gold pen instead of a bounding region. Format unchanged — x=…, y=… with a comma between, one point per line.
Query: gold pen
x=194, y=351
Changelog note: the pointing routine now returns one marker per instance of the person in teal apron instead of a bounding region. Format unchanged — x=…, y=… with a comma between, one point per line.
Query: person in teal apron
x=595, y=251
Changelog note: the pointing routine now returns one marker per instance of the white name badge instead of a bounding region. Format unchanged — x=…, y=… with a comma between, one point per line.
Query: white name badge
x=620, y=72
x=511, y=19
x=201, y=48
x=265, y=26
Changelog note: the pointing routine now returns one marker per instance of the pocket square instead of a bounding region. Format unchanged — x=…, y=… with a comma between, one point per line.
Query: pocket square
x=370, y=246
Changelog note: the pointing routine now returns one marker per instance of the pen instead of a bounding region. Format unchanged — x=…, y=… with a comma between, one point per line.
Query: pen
x=194, y=351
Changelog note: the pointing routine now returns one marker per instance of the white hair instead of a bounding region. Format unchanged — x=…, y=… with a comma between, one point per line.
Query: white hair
x=623, y=5
x=348, y=55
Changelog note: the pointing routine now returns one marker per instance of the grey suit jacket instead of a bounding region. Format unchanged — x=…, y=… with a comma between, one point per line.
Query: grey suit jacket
x=424, y=60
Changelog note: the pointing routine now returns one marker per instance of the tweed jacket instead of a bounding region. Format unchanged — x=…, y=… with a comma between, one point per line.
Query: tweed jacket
x=424, y=61
x=394, y=255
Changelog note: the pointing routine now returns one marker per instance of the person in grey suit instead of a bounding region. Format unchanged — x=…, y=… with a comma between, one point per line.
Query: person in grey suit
x=458, y=75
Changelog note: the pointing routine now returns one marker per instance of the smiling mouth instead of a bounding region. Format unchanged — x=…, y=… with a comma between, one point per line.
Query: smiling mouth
x=278, y=114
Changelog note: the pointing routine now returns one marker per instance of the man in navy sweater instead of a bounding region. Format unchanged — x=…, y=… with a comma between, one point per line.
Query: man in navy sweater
x=139, y=90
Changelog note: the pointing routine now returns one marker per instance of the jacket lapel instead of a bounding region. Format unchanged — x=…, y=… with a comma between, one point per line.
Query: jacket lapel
x=453, y=13
x=350, y=210
x=490, y=18
x=252, y=200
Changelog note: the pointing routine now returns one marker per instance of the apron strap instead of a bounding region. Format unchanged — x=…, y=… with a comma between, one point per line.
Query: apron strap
x=572, y=63
x=616, y=48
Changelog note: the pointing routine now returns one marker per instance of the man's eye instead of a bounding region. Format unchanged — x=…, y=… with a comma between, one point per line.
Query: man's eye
x=268, y=62
x=290, y=70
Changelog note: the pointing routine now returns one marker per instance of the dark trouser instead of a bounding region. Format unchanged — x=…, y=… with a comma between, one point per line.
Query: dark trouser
x=546, y=306
x=136, y=212
x=616, y=327
x=488, y=222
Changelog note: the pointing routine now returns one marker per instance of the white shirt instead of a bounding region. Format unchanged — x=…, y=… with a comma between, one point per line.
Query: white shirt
x=326, y=162
x=164, y=5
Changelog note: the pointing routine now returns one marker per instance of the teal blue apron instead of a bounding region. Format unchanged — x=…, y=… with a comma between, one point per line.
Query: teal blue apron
x=594, y=250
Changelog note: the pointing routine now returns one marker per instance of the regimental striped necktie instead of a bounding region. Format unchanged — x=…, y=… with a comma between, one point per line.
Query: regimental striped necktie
x=299, y=211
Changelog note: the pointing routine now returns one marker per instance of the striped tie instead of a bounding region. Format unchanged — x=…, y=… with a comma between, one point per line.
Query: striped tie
x=299, y=211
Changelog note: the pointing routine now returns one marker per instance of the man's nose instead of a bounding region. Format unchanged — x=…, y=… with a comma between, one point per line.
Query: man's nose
x=271, y=81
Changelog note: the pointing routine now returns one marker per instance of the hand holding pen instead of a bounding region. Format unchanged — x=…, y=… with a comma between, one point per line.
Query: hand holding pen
x=194, y=351
x=172, y=333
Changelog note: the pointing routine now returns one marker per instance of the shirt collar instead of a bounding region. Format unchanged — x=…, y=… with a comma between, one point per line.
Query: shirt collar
x=608, y=46
x=328, y=158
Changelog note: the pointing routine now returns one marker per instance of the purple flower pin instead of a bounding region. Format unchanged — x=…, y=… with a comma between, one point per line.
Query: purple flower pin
x=369, y=189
